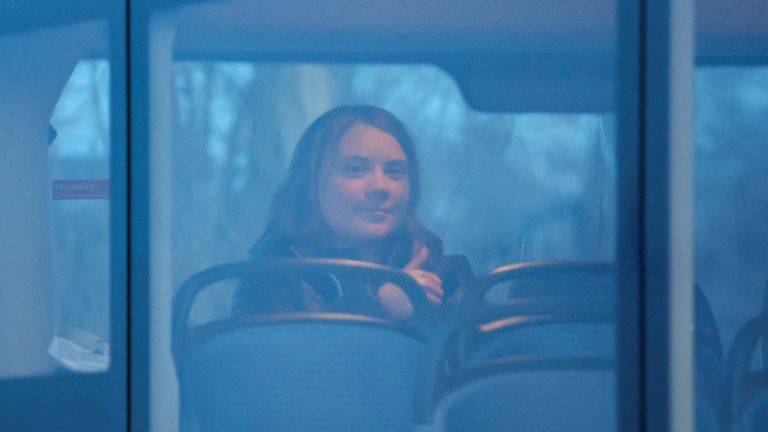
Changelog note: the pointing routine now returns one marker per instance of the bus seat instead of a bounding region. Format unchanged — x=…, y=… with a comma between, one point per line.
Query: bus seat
x=295, y=371
x=540, y=356
x=553, y=308
x=544, y=348
x=532, y=394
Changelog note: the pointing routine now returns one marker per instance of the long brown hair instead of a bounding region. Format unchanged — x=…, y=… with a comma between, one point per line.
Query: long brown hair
x=295, y=208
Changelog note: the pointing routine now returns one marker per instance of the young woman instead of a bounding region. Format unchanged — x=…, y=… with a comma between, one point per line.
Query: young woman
x=351, y=192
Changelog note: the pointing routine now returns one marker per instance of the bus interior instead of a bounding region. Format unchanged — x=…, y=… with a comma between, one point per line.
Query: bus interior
x=602, y=164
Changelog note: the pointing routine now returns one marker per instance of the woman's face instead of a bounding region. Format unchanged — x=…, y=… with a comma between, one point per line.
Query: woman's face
x=364, y=188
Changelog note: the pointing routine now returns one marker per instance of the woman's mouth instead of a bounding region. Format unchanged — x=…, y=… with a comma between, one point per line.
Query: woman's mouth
x=377, y=214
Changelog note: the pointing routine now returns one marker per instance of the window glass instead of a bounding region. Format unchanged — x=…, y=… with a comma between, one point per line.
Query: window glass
x=78, y=160
x=63, y=224
x=731, y=161
x=535, y=186
x=511, y=113
x=731, y=234
x=54, y=189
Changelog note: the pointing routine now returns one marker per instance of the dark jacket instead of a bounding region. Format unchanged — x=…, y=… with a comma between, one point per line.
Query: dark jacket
x=326, y=293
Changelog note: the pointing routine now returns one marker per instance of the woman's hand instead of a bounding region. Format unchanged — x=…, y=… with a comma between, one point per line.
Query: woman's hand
x=396, y=301
x=430, y=282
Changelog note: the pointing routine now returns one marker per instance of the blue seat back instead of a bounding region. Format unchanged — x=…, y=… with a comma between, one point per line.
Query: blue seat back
x=532, y=400
x=324, y=374
x=297, y=371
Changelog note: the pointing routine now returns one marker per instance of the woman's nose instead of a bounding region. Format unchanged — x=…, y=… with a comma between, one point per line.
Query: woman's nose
x=378, y=182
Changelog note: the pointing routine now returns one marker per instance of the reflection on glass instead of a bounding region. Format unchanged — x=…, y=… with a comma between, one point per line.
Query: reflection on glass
x=732, y=240
x=54, y=191
x=78, y=158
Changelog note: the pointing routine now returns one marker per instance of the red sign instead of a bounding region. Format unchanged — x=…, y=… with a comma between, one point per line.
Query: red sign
x=80, y=189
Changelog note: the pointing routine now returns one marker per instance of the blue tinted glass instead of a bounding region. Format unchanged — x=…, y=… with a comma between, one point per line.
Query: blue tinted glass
x=509, y=113
x=732, y=238
x=55, y=194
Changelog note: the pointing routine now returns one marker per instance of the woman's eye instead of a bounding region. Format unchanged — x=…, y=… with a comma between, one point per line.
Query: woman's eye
x=397, y=172
x=353, y=169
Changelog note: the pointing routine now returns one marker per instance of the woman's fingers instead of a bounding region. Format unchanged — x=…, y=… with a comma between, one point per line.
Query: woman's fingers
x=418, y=259
x=394, y=299
x=431, y=283
x=424, y=277
x=434, y=299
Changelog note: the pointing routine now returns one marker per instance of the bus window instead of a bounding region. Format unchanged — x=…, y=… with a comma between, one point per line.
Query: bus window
x=78, y=160
x=63, y=220
x=730, y=230
x=56, y=250
x=729, y=193
x=537, y=186
x=517, y=156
